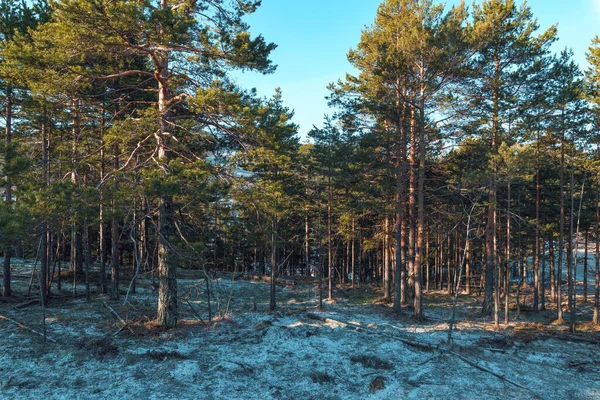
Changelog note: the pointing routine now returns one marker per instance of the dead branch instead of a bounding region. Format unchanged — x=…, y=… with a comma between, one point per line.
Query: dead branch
x=27, y=304
x=496, y=374
x=572, y=338
x=359, y=328
x=20, y=325
x=195, y=313
x=420, y=346
x=113, y=312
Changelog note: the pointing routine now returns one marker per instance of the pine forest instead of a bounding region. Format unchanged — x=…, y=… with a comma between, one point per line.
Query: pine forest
x=168, y=232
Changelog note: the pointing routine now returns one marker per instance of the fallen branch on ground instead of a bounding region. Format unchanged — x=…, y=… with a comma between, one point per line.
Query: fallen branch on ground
x=359, y=328
x=421, y=346
x=13, y=275
x=572, y=338
x=125, y=325
x=195, y=313
x=27, y=304
x=496, y=374
x=20, y=325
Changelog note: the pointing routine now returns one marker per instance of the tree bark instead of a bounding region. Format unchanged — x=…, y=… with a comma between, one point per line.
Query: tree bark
x=274, y=263
x=167, y=312
x=6, y=269
x=561, y=240
x=597, y=258
x=114, y=239
x=329, y=249
x=418, y=303
x=571, y=279
x=44, y=225
x=102, y=223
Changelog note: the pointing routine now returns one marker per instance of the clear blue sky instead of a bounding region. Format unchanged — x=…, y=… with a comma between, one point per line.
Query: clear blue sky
x=314, y=36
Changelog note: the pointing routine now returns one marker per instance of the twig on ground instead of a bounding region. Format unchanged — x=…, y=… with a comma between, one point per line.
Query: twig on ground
x=359, y=328
x=27, y=304
x=496, y=374
x=125, y=325
x=195, y=313
x=20, y=325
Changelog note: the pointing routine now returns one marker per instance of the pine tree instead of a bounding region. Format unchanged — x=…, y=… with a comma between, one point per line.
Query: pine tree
x=187, y=44
x=507, y=48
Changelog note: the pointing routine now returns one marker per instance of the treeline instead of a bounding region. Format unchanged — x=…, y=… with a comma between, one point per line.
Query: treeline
x=463, y=156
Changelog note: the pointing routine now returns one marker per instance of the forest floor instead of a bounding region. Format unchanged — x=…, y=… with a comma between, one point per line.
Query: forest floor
x=356, y=348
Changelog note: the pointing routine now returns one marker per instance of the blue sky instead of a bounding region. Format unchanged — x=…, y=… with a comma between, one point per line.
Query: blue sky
x=314, y=36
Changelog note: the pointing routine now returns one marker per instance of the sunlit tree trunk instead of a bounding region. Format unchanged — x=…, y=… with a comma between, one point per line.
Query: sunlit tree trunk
x=167, y=278
x=561, y=240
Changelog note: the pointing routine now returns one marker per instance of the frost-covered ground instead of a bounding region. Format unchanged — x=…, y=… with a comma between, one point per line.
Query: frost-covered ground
x=254, y=355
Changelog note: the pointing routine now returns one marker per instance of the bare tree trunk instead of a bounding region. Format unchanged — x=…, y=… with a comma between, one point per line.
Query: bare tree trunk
x=102, y=225
x=353, y=251
x=418, y=304
x=114, y=259
x=536, y=252
x=88, y=260
x=468, y=267
x=543, y=281
x=6, y=269
x=403, y=258
x=114, y=240
x=427, y=260
x=412, y=202
x=400, y=268
x=449, y=255
x=508, y=262
x=497, y=279
x=144, y=254
x=329, y=249
x=77, y=250
x=597, y=258
x=59, y=246
x=561, y=240
x=348, y=255
x=274, y=263
x=571, y=279
x=307, y=248
x=585, y=268
x=44, y=227
x=552, y=267
x=320, y=255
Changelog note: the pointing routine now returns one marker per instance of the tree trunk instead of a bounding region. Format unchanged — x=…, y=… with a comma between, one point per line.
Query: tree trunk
x=307, y=248
x=114, y=259
x=114, y=239
x=536, y=252
x=353, y=261
x=274, y=263
x=561, y=240
x=468, y=266
x=44, y=227
x=585, y=268
x=490, y=233
x=571, y=279
x=167, y=264
x=329, y=249
x=88, y=260
x=418, y=303
x=6, y=269
x=102, y=225
x=552, y=267
x=597, y=253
